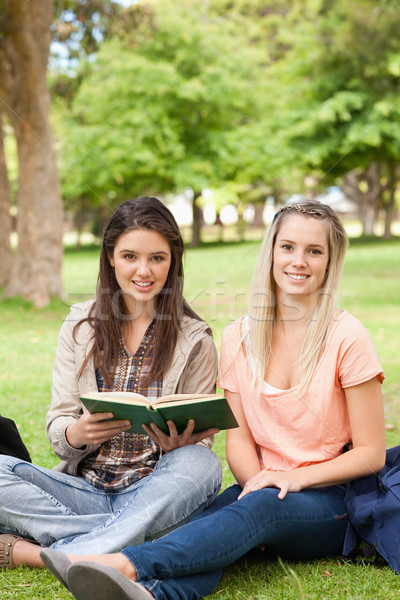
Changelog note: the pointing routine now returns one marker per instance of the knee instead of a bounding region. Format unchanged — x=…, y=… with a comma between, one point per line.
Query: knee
x=199, y=463
x=8, y=463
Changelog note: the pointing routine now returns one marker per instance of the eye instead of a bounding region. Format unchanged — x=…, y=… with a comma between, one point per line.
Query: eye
x=129, y=256
x=157, y=258
x=315, y=251
x=287, y=247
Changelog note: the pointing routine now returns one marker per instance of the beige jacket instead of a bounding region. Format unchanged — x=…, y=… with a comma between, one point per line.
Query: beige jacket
x=193, y=369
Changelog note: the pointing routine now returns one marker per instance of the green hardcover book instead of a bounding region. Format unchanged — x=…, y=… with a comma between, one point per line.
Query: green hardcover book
x=208, y=410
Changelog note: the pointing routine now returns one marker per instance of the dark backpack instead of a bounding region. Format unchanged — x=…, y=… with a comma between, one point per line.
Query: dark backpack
x=10, y=440
x=373, y=507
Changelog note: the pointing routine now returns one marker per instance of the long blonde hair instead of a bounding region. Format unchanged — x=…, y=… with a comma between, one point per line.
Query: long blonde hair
x=262, y=304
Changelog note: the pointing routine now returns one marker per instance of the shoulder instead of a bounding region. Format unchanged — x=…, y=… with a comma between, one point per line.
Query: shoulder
x=77, y=313
x=353, y=350
x=193, y=328
x=195, y=345
x=235, y=331
x=232, y=338
x=347, y=327
x=196, y=335
x=80, y=310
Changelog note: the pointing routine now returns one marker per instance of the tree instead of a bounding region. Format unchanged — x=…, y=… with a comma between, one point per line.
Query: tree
x=345, y=64
x=24, y=47
x=156, y=110
x=5, y=216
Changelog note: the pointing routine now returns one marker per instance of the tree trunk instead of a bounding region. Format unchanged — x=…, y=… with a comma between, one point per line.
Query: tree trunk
x=197, y=221
x=258, y=220
x=363, y=187
x=390, y=206
x=5, y=216
x=36, y=271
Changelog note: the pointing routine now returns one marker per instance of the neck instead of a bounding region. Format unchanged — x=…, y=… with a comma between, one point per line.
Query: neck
x=139, y=312
x=293, y=310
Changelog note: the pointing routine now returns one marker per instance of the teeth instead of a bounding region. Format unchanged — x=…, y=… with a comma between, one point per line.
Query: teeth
x=142, y=283
x=297, y=276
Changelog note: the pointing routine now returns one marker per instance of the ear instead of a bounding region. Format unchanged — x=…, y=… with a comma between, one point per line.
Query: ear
x=111, y=261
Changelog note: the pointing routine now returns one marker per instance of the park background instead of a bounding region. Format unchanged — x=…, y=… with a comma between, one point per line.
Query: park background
x=219, y=108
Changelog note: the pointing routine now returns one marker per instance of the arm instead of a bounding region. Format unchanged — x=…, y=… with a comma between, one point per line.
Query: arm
x=241, y=448
x=365, y=409
x=72, y=433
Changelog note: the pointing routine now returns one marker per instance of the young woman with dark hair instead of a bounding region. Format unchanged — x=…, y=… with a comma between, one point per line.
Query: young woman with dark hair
x=115, y=488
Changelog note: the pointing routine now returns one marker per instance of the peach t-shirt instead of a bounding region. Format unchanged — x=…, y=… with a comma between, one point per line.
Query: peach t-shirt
x=289, y=431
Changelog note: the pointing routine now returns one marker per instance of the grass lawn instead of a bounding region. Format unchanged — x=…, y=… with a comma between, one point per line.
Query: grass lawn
x=216, y=281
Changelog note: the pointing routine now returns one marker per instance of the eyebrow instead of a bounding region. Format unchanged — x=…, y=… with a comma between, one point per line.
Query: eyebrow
x=150, y=253
x=291, y=242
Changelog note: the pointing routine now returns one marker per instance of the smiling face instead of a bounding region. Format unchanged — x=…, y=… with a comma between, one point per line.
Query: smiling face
x=141, y=260
x=300, y=256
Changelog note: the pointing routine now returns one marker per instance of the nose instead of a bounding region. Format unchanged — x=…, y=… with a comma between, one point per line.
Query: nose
x=143, y=268
x=299, y=258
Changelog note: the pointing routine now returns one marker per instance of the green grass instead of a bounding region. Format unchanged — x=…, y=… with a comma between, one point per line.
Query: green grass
x=217, y=278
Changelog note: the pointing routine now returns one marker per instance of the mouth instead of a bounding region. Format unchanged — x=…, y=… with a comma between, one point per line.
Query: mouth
x=143, y=284
x=297, y=277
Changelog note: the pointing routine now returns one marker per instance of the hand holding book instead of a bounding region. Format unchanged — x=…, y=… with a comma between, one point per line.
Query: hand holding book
x=173, y=439
x=209, y=411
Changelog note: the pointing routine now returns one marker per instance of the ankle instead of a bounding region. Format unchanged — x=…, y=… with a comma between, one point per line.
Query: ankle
x=26, y=553
x=126, y=567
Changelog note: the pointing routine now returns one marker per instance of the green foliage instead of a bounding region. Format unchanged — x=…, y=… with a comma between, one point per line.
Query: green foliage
x=346, y=64
x=155, y=111
x=226, y=92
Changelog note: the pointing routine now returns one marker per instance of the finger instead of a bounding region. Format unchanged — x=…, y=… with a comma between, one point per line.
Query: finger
x=283, y=491
x=173, y=432
x=189, y=427
x=106, y=421
x=98, y=417
x=111, y=427
x=151, y=434
x=185, y=438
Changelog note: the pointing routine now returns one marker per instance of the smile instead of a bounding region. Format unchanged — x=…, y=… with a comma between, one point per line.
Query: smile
x=143, y=284
x=297, y=277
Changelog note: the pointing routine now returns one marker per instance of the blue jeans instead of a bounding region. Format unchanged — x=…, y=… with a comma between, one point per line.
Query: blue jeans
x=73, y=516
x=187, y=563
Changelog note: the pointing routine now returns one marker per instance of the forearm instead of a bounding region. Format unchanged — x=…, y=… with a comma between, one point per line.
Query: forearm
x=356, y=463
x=243, y=462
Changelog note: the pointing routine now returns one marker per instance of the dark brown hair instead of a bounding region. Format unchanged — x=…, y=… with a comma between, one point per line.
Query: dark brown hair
x=109, y=312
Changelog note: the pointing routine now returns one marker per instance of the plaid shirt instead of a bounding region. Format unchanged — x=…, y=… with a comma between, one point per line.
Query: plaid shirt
x=127, y=457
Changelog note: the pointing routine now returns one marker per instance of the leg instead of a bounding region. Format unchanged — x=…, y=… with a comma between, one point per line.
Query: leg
x=90, y=581
x=46, y=505
x=186, y=564
x=308, y=524
x=113, y=576
x=183, y=483
x=191, y=587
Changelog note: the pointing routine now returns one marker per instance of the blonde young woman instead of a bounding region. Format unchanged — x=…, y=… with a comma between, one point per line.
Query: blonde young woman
x=304, y=381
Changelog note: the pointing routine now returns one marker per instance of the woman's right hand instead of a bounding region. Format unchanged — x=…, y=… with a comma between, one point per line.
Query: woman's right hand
x=94, y=429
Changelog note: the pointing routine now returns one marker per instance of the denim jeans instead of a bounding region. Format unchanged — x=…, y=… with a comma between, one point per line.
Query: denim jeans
x=73, y=516
x=187, y=563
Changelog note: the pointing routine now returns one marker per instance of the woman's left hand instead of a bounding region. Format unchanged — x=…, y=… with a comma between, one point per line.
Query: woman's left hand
x=285, y=481
x=175, y=440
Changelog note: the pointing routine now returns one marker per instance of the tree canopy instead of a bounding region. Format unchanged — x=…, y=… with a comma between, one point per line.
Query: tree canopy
x=155, y=111
x=160, y=96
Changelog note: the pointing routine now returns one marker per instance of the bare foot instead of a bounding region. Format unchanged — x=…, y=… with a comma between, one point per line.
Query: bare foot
x=118, y=561
x=26, y=553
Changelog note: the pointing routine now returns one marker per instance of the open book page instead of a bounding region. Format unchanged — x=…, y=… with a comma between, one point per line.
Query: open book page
x=183, y=398
x=120, y=397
